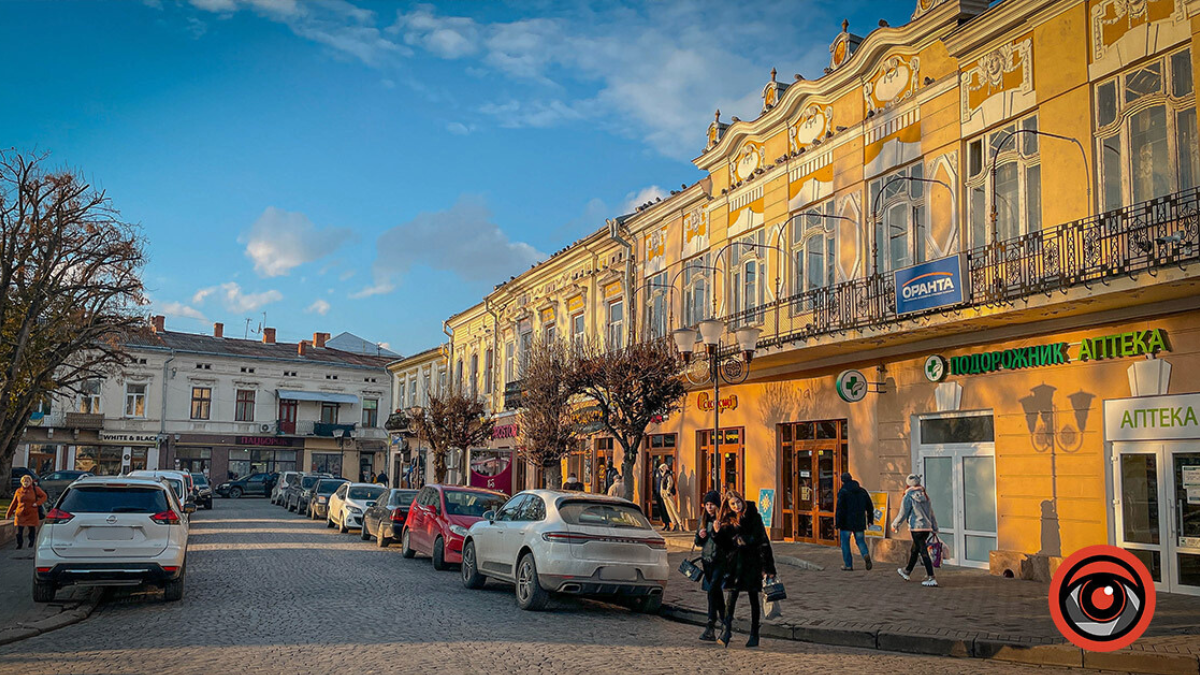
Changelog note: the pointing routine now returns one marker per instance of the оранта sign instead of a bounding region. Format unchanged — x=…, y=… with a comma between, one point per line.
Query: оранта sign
x=1117, y=345
x=933, y=284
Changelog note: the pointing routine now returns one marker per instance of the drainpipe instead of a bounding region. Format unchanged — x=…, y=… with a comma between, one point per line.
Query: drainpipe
x=162, y=421
x=614, y=233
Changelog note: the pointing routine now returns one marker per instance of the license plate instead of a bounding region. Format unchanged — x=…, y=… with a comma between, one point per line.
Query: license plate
x=109, y=533
x=618, y=573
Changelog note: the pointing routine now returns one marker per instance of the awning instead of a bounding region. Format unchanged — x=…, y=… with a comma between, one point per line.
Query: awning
x=323, y=396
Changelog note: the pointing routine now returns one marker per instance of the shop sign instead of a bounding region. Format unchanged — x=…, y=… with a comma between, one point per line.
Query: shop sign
x=936, y=368
x=587, y=419
x=766, y=506
x=504, y=431
x=1117, y=345
x=266, y=441
x=119, y=437
x=851, y=385
x=704, y=401
x=879, y=501
x=1161, y=418
x=933, y=284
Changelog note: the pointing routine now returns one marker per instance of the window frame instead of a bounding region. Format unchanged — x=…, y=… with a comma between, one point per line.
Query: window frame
x=370, y=413
x=90, y=401
x=697, y=289
x=748, y=260
x=489, y=366
x=201, y=408
x=132, y=399
x=242, y=413
x=806, y=227
x=327, y=406
x=657, y=305
x=915, y=195
x=1022, y=151
x=614, y=330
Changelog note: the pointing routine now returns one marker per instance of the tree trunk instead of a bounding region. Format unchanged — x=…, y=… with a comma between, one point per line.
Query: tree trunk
x=627, y=472
x=439, y=466
x=6, y=461
x=553, y=473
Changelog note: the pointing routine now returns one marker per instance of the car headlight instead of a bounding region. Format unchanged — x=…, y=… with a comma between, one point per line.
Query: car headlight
x=459, y=530
x=320, y=500
x=356, y=511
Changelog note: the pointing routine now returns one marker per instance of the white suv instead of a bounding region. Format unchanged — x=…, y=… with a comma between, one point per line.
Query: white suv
x=113, y=531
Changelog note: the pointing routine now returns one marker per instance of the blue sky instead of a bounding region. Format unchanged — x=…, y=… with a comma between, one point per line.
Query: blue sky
x=376, y=167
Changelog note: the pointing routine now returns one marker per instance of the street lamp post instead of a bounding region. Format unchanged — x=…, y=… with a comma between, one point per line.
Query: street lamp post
x=732, y=367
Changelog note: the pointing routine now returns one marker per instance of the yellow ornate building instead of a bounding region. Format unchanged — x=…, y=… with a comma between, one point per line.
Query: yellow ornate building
x=971, y=247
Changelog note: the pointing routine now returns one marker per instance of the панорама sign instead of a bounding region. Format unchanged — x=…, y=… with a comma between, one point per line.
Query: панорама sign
x=933, y=284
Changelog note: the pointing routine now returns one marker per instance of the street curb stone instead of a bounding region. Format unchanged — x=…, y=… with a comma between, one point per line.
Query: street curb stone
x=981, y=648
x=60, y=620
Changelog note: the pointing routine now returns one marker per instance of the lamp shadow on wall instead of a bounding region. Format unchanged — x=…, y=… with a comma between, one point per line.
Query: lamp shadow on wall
x=1046, y=435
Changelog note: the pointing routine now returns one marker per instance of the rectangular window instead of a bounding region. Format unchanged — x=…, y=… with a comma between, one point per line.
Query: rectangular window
x=510, y=362
x=814, y=249
x=329, y=413
x=89, y=397
x=201, y=403
x=549, y=333
x=898, y=200
x=1015, y=192
x=401, y=389
x=489, y=366
x=135, y=400
x=425, y=392
x=370, y=413
x=577, y=329
x=975, y=429
x=412, y=392
x=524, y=344
x=474, y=375
x=244, y=410
x=696, y=303
x=747, y=274
x=616, y=324
x=657, y=297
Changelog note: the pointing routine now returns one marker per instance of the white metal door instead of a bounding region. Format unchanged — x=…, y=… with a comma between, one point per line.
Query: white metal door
x=956, y=456
x=1182, y=502
x=1157, y=509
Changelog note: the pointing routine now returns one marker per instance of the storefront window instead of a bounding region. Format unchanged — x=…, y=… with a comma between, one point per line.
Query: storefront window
x=327, y=462
x=42, y=458
x=247, y=462
x=98, y=460
x=978, y=429
x=194, y=460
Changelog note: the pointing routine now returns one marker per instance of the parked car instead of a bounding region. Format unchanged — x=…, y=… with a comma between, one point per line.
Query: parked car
x=204, y=491
x=439, y=519
x=285, y=481
x=385, y=520
x=113, y=531
x=347, y=503
x=54, y=483
x=318, y=497
x=18, y=472
x=254, y=484
x=547, y=542
x=296, y=497
x=180, y=482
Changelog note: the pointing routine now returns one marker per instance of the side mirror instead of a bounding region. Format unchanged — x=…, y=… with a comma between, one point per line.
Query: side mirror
x=490, y=516
x=189, y=507
x=370, y=504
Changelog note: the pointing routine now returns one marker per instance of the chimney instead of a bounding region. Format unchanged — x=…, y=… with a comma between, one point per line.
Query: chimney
x=157, y=323
x=302, y=348
x=268, y=336
x=319, y=340
x=218, y=330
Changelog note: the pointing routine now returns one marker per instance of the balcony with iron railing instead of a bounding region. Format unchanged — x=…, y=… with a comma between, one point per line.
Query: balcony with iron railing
x=1151, y=244
x=313, y=428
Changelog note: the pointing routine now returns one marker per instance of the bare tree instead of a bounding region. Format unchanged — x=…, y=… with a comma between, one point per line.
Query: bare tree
x=70, y=289
x=633, y=387
x=547, y=429
x=452, y=421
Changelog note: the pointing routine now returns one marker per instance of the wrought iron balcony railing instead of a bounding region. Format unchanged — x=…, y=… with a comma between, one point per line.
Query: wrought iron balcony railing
x=1140, y=238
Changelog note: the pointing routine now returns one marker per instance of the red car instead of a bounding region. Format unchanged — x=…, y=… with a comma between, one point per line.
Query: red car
x=439, y=518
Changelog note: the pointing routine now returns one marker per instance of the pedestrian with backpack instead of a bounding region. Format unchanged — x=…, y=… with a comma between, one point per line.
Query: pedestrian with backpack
x=917, y=510
x=854, y=511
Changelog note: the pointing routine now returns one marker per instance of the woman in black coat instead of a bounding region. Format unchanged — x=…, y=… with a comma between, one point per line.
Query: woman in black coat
x=710, y=560
x=746, y=557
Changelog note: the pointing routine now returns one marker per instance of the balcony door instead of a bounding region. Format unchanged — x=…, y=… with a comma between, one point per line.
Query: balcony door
x=287, y=415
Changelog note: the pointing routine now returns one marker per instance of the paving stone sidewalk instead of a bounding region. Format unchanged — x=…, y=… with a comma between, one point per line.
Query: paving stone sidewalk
x=970, y=614
x=20, y=616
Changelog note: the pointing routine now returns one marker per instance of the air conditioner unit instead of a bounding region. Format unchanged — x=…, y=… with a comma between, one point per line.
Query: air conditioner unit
x=264, y=428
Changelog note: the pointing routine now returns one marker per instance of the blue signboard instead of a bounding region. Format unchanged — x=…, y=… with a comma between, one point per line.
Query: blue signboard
x=933, y=284
x=766, y=506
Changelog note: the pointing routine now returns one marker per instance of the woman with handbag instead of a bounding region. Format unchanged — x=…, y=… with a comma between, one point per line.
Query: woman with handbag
x=917, y=510
x=745, y=549
x=25, y=504
x=709, y=559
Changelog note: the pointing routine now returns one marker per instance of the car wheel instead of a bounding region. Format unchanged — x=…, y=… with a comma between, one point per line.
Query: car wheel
x=235, y=493
x=173, y=590
x=647, y=604
x=439, y=555
x=43, y=591
x=471, y=577
x=364, y=533
x=405, y=548
x=328, y=519
x=530, y=594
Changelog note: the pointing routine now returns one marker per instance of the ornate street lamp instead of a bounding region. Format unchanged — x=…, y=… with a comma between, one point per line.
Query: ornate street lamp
x=733, y=367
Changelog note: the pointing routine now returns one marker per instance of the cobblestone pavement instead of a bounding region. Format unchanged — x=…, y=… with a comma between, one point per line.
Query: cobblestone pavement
x=268, y=592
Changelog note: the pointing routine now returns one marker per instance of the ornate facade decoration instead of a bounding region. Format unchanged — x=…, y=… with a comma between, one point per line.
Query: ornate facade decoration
x=1113, y=19
x=843, y=47
x=814, y=123
x=772, y=92
x=923, y=7
x=1009, y=68
x=748, y=160
x=896, y=80
x=715, y=131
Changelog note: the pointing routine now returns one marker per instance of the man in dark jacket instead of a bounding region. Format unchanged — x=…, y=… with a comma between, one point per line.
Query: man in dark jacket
x=853, y=513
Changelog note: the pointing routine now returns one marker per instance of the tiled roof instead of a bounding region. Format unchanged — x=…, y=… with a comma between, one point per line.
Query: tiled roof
x=235, y=347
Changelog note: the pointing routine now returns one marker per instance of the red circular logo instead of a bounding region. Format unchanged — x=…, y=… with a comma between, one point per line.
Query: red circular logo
x=1102, y=598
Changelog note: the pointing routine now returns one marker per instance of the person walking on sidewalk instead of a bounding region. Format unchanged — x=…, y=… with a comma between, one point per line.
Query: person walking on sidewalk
x=743, y=543
x=25, y=503
x=917, y=510
x=617, y=489
x=573, y=484
x=711, y=562
x=853, y=513
x=668, y=494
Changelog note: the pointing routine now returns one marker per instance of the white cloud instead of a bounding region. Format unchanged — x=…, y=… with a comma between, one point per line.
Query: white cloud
x=280, y=241
x=460, y=129
x=235, y=300
x=446, y=37
x=318, y=306
x=646, y=194
x=178, y=309
x=462, y=239
x=515, y=114
x=202, y=294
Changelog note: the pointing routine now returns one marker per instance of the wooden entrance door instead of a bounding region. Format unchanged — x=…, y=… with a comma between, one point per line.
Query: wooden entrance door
x=813, y=456
x=731, y=463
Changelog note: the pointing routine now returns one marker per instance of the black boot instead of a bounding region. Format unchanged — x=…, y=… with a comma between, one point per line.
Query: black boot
x=710, y=633
x=753, y=641
x=730, y=606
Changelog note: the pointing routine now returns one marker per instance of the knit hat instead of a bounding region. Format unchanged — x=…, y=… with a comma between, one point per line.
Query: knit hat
x=846, y=476
x=913, y=480
x=712, y=497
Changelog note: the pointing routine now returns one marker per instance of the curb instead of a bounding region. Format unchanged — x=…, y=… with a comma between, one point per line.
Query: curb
x=1062, y=655
x=60, y=620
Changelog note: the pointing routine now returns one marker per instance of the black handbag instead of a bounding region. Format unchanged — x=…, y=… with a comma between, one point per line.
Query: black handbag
x=773, y=590
x=689, y=568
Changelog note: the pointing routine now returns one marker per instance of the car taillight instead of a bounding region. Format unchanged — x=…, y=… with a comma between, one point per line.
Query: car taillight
x=171, y=568
x=168, y=517
x=660, y=544
x=399, y=516
x=566, y=537
x=57, y=516
x=43, y=570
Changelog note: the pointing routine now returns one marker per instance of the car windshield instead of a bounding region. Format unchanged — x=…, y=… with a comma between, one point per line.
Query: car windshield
x=403, y=497
x=200, y=479
x=475, y=504
x=107, y=499
x=603, y=515
x=365, y=493
x=326, y=487
x=308, y=481
x=176, y=485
